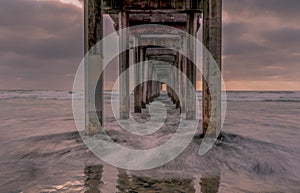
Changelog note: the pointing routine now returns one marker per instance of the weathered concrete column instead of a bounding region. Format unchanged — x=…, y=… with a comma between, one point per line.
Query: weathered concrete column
x=154, y=84
x=212, y=40
x=192, y=27
x=149, y=85
x=124, y=65
x=183, y=81
x=157, y=91
x=138, y=92
x=173, y=85
x=179, y=86
x=153, y=87
x=159, y=88
x=93, y=32
x=177, y=80
x=170, y=91
x=172, y=88
x=153, y=90
x=169, y=87
x=145, y=75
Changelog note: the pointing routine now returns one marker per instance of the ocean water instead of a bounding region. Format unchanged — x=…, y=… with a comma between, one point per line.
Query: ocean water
x=41, y=150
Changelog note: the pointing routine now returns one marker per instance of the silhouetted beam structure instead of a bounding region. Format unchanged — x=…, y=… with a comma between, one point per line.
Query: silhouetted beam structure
x=152, y=44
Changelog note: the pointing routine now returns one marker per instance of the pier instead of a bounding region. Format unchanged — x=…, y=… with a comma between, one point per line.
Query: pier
x=181, y=14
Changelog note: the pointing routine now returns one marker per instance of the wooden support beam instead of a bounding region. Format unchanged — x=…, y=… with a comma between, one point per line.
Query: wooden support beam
x=212, y=40
x=93, y=33
x=124, y=65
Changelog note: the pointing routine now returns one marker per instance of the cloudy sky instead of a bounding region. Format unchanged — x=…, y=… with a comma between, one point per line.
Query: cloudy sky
x=41, y=44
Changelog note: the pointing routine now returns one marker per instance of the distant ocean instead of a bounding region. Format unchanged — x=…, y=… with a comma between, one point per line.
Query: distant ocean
x=41, y=150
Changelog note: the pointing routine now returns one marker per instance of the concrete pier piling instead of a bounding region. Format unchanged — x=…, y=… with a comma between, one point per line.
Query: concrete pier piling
x=144, y=77
x=124, y=65
x=93, y=29
x=192, y=28
x=211, y=92
x=137, y=78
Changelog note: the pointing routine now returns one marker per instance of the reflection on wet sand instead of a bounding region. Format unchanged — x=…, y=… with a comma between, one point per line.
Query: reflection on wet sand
x=210, y=184
x=150, y=185
x=93, y=176
x=142, y=184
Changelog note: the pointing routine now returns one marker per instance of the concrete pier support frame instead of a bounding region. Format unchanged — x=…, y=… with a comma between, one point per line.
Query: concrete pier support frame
x=183, y=15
